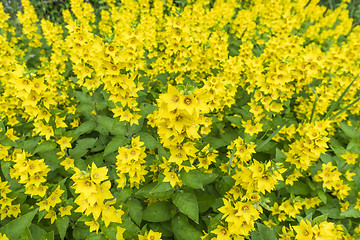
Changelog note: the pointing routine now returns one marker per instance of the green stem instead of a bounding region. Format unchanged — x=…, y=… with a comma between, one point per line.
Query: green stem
x=345, y=108
x=339, y=99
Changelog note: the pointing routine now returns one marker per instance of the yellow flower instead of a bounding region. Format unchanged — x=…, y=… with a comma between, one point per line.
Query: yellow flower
x=3, y=237
x=304, y=231
x=98, y=174
x=172, y=178
x=349, y=175
x=94, y=226
x=47, y=131
x=344, y=206
x=349, y=157
x=51, y=215
x=65, y=210
x=43, y=205
x=10, y=134
x=64, y=142
x=151, y=235
x=221, y=233
x=85, y=187
x=60, y=122
x=119, y=233
x=14, y=210
x=67, y=163
x=75, y=122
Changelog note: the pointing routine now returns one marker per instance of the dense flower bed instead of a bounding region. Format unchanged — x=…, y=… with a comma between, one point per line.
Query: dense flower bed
x=186, y=120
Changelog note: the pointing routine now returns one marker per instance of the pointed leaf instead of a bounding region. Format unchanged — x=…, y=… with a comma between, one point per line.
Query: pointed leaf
x=158, y=212
x=187, y=203
x=82, y=147
x=263, y=233
x=150, y=141
x=19, y=224
x=62, y=224
x=135, y=210
x=192, y=179
x=115, y=143
x=26, y=235
x=349, y=131
x=45, y=146
x=85, y=127
x=183, y=230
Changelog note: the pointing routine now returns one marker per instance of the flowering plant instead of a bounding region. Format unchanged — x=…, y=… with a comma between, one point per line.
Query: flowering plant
x=180, y=120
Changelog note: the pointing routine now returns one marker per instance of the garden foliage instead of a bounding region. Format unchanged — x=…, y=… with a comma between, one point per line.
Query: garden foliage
x=180, y=120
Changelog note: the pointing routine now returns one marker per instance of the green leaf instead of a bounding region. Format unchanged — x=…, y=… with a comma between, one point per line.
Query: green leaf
x=45, y=146
x=215, y=142
x=41, y=215
x=187, y=203
x=146, y=109
x=104, y=123
x=124, y=194
x=154, y=190
x=225, y=184
x=85, y=218
x=320, y=219
x=80, y=233
x=83, y=97
x=164, y=228
x=99, y=100
x=26, y=235
x=192, y=179
x=131, y=229
x=115, y=143
x=85, y=127
x=161, y=187
x=109, y=231
x=263, y=233
x=351, y=212
x=207, y=178
x=279, y=154
x=51, y=159
x=158, y=212
x=62, y=224
x=332, y=209
x=135, y=210
x=349, y=131
x=204, y=200
x=183, y=230
x=82, y=147
x=48, y=236
x=299, y=188
x=118, y=128
x=322, y=196
x=150, y=141
x=30, y=144
x=19, y=224
x=96, y=236
x=36, y=231
x=234, y=120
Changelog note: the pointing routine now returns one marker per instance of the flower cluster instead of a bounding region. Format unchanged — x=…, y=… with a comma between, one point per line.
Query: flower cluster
x=130, y=165
x=94, y=197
